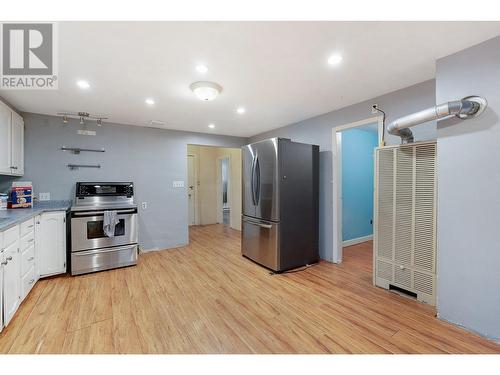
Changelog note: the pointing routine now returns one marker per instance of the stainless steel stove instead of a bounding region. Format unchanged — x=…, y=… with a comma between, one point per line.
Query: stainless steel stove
x=91, y=249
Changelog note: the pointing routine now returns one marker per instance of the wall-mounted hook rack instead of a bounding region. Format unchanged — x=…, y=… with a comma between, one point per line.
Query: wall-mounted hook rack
x=77, y=150
x=76, y=166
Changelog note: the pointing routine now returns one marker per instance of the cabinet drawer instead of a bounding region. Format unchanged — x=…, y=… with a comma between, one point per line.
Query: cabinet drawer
x=27, y=259
x=27, y=240
x=28, y=281
x=27, y=226
x=10, y=236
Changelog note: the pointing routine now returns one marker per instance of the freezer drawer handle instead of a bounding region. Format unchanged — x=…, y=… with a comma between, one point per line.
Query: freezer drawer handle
x=267, y=226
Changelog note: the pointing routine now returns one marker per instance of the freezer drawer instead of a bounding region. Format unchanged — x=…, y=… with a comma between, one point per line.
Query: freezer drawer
x=260, y=242
x=103, y=259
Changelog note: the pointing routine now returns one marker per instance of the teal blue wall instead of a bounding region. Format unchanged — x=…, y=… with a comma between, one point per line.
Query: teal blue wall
x=357, y=182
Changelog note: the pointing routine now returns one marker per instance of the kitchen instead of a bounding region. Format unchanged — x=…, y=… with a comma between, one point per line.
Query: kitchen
x=98, y=254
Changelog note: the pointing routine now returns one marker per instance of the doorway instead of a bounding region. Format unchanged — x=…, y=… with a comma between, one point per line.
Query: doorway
x=192, y=188
x=353, y=184
x=214, y=186
x=223, y=190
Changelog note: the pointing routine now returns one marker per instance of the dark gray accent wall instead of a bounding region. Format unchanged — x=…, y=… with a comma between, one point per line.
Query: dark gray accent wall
x=468, y=258
x=151, y=158
x=318, y=130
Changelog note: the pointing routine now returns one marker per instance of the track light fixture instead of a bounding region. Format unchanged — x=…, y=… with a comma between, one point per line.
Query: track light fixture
x=82, y=116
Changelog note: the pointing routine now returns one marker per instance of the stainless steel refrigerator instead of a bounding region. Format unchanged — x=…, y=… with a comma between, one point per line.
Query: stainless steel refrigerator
x=280, y=203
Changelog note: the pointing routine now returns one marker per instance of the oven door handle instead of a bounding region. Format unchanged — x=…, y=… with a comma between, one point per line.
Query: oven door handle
x=99, y=251
x=95, y=213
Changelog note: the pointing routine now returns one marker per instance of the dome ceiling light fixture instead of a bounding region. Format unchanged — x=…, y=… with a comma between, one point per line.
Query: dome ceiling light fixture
x=206, y=91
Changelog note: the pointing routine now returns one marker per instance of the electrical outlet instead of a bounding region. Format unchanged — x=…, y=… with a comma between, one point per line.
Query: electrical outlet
x=44, y=196
x=374, y=108
x=178, y=184
x=86, y=132
x=144, y=205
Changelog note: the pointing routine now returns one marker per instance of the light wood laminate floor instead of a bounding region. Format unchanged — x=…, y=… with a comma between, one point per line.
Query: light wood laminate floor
x=207, y=298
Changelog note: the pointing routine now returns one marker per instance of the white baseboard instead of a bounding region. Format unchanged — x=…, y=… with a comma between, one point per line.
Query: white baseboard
x=355, y=241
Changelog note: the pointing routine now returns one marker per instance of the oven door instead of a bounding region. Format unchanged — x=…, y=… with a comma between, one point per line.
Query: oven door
x=87, y=230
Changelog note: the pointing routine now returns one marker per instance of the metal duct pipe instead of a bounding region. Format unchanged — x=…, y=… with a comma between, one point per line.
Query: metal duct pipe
x=466, y=108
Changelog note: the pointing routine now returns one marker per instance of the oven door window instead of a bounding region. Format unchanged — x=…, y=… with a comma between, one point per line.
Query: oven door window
x=95, y=229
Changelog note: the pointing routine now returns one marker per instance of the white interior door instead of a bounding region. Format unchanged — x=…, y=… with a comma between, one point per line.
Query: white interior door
x=191, y=191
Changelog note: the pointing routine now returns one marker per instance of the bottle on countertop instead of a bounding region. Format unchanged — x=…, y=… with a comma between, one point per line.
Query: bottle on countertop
x=3, y=201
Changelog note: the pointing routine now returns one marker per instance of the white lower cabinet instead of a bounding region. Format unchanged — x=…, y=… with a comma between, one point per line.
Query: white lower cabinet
x=11, y=281
x=30, y=250
x=1, y=281
x=51, y=248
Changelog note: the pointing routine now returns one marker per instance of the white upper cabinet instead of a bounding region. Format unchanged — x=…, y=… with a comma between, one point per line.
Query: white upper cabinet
x=11, y=142
x=17, y=144
x=5, y=138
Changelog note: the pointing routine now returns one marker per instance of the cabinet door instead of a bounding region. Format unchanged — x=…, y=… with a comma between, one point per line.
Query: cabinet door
x=12, y=281
x=52, y=254
x=17, y=145
x=38, y=244
x=1, y=279
x=5, y=139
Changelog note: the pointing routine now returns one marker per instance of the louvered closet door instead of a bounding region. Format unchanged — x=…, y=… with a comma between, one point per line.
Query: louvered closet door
x=404, y=217
x=405, y=213
x=424, y=259
x=385, y=214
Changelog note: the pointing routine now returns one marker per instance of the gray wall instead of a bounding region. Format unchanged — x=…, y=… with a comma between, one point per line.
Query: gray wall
x=468, y=197
x=151, y=158
x=318, y=130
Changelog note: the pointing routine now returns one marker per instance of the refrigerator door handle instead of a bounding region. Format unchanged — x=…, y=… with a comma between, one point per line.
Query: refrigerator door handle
x=257, y=190
x=262, y=225
x=252, y=183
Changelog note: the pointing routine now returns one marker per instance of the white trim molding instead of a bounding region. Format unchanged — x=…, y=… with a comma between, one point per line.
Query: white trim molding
x=337, y=179
x=355, y=241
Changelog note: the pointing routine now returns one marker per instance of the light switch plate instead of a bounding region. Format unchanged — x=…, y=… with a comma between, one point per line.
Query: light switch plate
x=44, y=196
x=178, y=184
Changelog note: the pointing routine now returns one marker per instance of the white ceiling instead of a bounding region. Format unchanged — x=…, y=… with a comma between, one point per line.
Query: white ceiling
x=276, y=70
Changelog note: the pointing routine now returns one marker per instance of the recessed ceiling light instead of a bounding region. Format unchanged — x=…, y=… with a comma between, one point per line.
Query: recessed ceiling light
x=83, y=84
x=241, y=110
x=150, y=101
x=335, y=59
x=200, y=68
x=211, y=126
x=206, y=91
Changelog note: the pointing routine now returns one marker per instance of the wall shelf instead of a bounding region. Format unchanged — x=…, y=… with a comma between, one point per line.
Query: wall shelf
x=77, y=166
x=77, y=150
